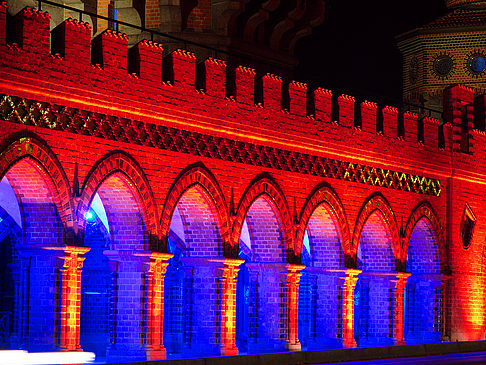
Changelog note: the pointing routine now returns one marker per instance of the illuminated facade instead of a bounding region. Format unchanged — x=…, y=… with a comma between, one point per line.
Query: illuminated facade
x=142, y=218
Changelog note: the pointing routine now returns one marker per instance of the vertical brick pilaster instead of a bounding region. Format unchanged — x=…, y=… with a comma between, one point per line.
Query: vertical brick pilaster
x=410, y=126
x=298, y=98
x=368, y=116
x=109, y=49
x=228, y=307
x=445, y=309
x=71, y=297
x=398, y=307
x=345, y=104
x=272, y=92
x=348, y=307
x=158, y=268
x=431, y=132
x=215, y=77
x=181, y=69
x=71, y=39
x=459, y=111
x=292, y=307
x=145, y=59
x=32, y=31
x=390, y=121
x=322, y=104
x=245, y=85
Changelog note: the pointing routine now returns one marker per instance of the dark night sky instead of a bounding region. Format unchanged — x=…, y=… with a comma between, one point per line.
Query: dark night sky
x=354, y=50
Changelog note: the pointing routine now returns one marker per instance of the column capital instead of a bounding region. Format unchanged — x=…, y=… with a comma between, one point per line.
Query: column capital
x=401, y=279
x=353, y=272
x=161, y=256
x=292, y=268
x=233, y=262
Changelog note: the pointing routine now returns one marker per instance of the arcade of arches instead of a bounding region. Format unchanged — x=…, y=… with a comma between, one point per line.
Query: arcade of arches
x=196, y=282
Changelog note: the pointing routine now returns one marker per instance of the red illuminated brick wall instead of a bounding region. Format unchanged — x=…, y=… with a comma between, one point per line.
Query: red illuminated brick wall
x=65, y=112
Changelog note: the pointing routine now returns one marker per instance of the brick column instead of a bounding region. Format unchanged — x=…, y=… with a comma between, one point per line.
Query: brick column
x=445, y=309
x=128, y=329
x=156, y=277
x=228, y=306
x=71, y=297
x=348, y=307
x=187, y=332
x=398, y=307
x=203, y=302
x=292, y=307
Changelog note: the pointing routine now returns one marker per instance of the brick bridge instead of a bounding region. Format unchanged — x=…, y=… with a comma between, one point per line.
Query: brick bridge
x=155, y=208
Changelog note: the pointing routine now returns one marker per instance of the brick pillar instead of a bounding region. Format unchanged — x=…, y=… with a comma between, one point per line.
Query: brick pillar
x=398, y=307
x=445, y=308
x=71, y=297
x=268, y=312
x=203, y=300
x=155, y=307
x=128, y=327
x=348, y=307
x=292, y=307
x=228, y=307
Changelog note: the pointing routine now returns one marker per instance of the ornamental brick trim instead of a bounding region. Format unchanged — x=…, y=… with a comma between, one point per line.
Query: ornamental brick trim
x=196, y=176
x=324, y=195
x=372, y=204
x=49, y=167
x=266, y=186
x=424, y=210
x=62, y=118
x=133, y=174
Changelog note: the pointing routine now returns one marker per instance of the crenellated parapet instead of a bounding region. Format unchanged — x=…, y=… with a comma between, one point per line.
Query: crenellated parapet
x=68, y=58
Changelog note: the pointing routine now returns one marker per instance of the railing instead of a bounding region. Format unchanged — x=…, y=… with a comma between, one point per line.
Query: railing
x=152, y=32
x=217, y=51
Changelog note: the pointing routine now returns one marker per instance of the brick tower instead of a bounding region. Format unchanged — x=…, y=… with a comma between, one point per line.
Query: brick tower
x=448, y=50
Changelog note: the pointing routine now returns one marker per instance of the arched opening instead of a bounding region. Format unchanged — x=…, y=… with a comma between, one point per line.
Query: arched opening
x=30, y=285
x=319, y=290
x=260, y=299
x=113, y=281
x=192, y=292
x=422, y=292
x=373, y=312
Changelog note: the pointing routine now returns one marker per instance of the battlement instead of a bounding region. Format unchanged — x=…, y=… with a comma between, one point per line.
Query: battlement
x=106, y=60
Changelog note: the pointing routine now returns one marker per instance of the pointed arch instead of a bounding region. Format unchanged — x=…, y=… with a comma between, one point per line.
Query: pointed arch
x=42, y=157
x=377, y=202
x=110, y=164
x=324, y=194
x=265, y=185
x=197, y=175
x=424, y=210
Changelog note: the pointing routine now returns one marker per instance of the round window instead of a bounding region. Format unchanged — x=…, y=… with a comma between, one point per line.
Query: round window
x=477, y=63
x=443, y=65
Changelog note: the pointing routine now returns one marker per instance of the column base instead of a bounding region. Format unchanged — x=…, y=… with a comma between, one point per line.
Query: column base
x=349, y=343
x=121, y=353
x=229, y=351
x=156, y=354
x=70, y=349
x=296, y=346
x=399, y=342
